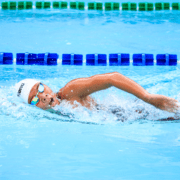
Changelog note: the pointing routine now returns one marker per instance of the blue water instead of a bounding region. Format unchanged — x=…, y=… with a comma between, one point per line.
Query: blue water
x=68, y=31
x=80, y=144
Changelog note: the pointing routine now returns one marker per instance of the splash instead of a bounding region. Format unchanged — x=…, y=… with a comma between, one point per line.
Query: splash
x=117, y=110
x=126, y=109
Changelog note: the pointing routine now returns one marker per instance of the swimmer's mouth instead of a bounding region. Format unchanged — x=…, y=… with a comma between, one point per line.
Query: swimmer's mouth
x=51, y=101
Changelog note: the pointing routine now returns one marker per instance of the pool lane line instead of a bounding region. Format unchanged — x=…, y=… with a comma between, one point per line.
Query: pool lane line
x=106, y=6
x=59, y=61
x=113, y=59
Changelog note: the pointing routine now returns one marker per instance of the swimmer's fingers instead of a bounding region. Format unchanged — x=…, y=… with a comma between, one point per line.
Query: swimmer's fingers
x=165, y=103
x=172, y=106
x=177, y=108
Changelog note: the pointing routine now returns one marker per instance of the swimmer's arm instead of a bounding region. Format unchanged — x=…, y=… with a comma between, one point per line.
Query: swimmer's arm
x=159, y=101
x=83, y=87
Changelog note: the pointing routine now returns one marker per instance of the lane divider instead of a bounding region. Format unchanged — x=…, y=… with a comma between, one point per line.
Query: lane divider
x=143, y=59
x=72, y=59
x=1, y=58
x=166, y=59
x=107, y=6
x=6, y=58
x=96, y=60
x=36, y=59
x=118, y=59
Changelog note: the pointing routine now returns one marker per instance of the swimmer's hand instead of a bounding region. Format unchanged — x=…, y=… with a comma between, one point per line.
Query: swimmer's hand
x=163, y=103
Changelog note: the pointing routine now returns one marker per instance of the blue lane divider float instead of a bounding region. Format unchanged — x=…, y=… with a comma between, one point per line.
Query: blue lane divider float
x=26, y=59
x=96, y=60
x=47, y=58
x=6, y=58
x=143, y=60
x=72, y=59
x=166, y=59
x=36, y=59
x=119, y=59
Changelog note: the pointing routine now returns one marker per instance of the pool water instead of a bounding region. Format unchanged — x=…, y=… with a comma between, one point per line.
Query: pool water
x=88, y=32
x=79, y=143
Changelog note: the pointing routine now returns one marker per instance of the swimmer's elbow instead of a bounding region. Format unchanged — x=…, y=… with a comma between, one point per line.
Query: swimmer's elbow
x=112, y=77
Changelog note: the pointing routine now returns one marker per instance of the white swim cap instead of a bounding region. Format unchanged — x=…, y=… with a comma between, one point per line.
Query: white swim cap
x=24, y=87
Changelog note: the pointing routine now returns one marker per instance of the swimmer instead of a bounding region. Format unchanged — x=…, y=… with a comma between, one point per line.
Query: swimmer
x=79, y=90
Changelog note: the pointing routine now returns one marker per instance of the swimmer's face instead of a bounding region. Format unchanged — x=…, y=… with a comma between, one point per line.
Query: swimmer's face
x=47, y=99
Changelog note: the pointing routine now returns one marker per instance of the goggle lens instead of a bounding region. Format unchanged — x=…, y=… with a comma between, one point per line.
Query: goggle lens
x=41, y=88
x=35, y=100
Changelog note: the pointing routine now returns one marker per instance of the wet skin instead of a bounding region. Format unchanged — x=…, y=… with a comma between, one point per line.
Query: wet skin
x=80, y=89
x=47, y=99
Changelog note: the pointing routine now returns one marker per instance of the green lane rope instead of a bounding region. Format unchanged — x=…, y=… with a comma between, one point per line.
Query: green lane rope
x=77, y=5
x=60, y=5
x=95, y=6
x=25, y=5
x=162, y=6
x=43, y=5
x=129, y=6
x=107, y=6
x=175, y=6
x=146, y=6
x=9, y=5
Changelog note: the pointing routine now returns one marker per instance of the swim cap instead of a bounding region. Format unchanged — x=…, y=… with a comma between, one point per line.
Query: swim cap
x=24, y=87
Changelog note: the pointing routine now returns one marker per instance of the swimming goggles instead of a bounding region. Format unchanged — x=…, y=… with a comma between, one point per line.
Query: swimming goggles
x=35, y=99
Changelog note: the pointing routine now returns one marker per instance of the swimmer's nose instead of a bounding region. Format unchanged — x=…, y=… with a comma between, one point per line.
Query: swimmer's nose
x=45, y=97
